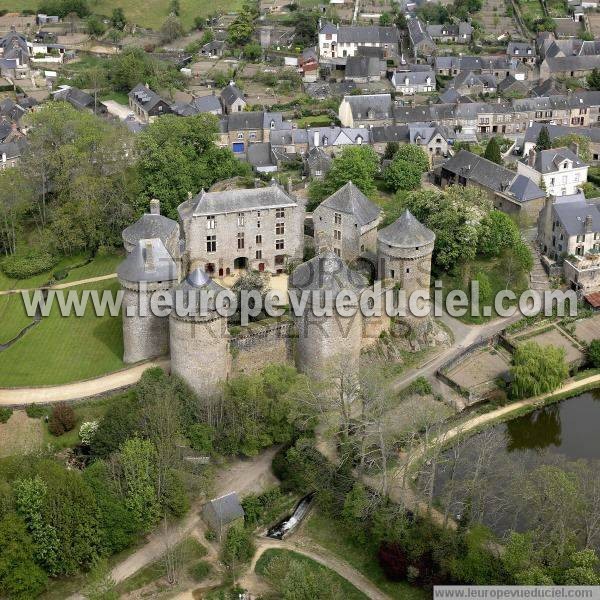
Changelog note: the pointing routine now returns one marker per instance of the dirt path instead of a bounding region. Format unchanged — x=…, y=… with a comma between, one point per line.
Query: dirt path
x=62, y=286
x=318, y=554
x=80, y=389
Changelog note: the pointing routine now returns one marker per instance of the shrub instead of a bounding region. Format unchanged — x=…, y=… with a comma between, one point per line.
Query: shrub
x=33, y=262
x=199, y=571
x=393, y=561
x=87, y=431
x=594, y=353
x=5, y=414
x=210, y=535
x=61, y=420
x=420, y=386
x=35, y=411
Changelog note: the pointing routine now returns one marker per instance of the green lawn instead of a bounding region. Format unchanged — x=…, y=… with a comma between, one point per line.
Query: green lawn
x=12, y=317
x=101, y=265
x=349, y=591
x=332, y=536
x=65, y=349
x=151, y=13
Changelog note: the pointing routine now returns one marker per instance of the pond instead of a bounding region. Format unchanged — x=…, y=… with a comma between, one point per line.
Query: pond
x=489, y=476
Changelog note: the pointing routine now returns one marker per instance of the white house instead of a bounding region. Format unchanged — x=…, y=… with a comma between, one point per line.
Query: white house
x=337, y=41
x=559, y=169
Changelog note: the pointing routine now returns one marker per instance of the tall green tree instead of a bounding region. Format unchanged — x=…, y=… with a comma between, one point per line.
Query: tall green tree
x=401, y=174
x=543, y=140
x=537, y=369
x=492, y=151
x=593, y=79
x=498, y=232
x=414, y=155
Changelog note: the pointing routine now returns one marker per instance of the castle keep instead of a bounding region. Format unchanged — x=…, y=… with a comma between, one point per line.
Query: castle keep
x=262, y=229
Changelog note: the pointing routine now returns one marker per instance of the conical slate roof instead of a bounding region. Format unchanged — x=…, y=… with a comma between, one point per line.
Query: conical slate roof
x=406, y=232
x=350, y=200
x=149, y=226
x=193, y=285
x=149, y=261
x=326, y=272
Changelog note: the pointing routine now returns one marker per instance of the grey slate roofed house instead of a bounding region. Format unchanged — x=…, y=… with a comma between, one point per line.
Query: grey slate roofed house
x=351, y=201
x=522, y=51
x=207, y=104
x=451, y=32
x=406, y=232
x=420, y=40
x=568, y=66
x=510, y=86
x=261, y=158
x=222, y=512
x=362, y=69
x=555, y=131
x=317, y=163
x=467, y=82
x=146, y=103
x=414, y=79
x=10, y=152
x=149, y=261
x=232, y=98
x=548, y=161
x=149, y=226
x=368, y=108
x=548, y=87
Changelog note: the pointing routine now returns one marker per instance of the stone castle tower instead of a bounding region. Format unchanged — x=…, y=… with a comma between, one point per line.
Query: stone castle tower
x=404, y=251
x=199, y=344
x=323, y=340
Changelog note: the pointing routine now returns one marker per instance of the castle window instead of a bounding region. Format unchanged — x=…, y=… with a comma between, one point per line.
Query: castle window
x=279, y=228
x=407, y=269
x=337, y=218
x=240, y=219
x=211, y=222
x=259, y=254
x=279, y=244
x=337, y=234
x=257, y=224
x=240, y=241
x=337, y=251
x=392, y=273
x=259, y=239
x=580, y=238
x=211, y=243
x=280, y=213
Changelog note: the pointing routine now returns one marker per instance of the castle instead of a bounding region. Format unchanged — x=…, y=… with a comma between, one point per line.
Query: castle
x=262, y=229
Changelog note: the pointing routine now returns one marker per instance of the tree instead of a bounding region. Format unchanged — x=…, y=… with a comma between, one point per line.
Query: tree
x=62, y=419
x=402, y=175
x=498, y=232
x=95, y=26
x=593, y=79
x=543, y=140
x=385, y=20
x=485, y=289
x=390, y=150
x=593, y=353
x=238, y=547
x=583, y=569
x=20, y=577
x=171, y=29
x=179, y=156
x=138, y=462
x=306, y=25
x=414, y=155
x=252, y=52
x=583, y=144
x=16, y=197
x=537, y=369
x=240, y=31
x=492, y=151
x=358, y=164
x=117, y=19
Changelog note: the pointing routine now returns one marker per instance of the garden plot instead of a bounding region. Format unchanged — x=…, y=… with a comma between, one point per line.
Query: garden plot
x=494, y=19
x=484, y=366
x=587, y=330
x=555, y=337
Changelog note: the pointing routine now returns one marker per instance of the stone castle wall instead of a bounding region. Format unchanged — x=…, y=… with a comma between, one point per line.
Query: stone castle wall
x=259, y=345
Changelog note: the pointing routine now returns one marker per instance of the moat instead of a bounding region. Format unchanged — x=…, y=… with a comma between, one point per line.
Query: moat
x=487, y=474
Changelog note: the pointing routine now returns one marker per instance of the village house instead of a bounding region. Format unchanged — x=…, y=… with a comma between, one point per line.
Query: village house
x=340, y=41
x=414, y=79
x=510, y=192
x=260, y=228
x=558, y=170
x=11, y=152
x=308, y=65
x=451, y=33
x=569, y=237
x=147, y=104
x=420, y=40
x=522, y=51
x=346, y=223
x=363, y=69
x=79, y=99
x=366, y=110
x=222, y=513
x=232, y=99
x=239, y=130
x=468, y=83
x=433, y=139
x=316, y=163
x=498, y=66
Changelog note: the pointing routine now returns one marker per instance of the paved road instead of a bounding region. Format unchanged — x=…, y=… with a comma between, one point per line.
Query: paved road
x=16, y=397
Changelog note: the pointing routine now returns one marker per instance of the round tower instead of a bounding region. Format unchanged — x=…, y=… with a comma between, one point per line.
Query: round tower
x=199, y=342
x=148, y=269
x=404, y=251
x=326, y=342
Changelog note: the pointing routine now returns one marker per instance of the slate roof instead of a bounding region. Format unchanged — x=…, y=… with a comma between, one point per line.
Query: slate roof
x=414, y=76
x=547, y=161
x=13, y=149
x=198, y=279
x=231, y=93
x=560, y=64
x=532, y=132
x=469, y=79
x=144, y=96
x=215, y=203
x=227, y=508
x=378, y=105
x=520, y=49
x=150, y=226
x=417, y=32
x=406, y=232
x=490, y=175
x=259, y=155
x=362, y=35
x=5, y=129
x=390, y=133
x=326, y=272
x=206, y=104
x=149, y=261
x=337, y=136
x=351, y=201
x=572, y=215
x=362, y=66
x=510, y=84
x=79, y=99
x=318, y=160
x=548, y=87
x=451, y=29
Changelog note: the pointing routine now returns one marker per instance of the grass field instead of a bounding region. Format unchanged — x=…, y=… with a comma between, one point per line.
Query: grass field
x=309, y=565
x=333, y=537
x=61, y=350
x=150, y=14
x=12, y=317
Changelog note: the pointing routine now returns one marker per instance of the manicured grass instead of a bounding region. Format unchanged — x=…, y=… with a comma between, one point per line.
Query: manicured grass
x=65, y=349
x=120, y=97
x=189, y=551
x=12, y=317
x=348, y=590
x=335, y=538
x=101, y=265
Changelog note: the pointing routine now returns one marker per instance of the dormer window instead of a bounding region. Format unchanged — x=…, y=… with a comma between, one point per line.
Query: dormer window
x=359, y=139
x=272, y=124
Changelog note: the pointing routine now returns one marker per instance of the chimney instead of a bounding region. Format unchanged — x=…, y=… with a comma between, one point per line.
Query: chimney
x=574, y=147
x=4, y=157
x=531, y=157
x=316, y=138
x=154, y=206
x=149, y=263
x=588, y=223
